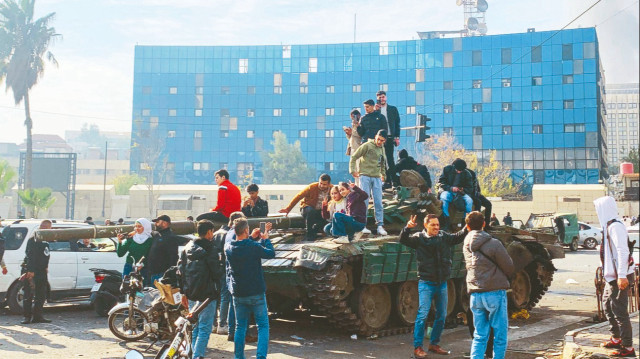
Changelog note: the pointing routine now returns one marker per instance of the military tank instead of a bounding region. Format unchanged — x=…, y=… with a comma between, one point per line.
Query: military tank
x=370, y=286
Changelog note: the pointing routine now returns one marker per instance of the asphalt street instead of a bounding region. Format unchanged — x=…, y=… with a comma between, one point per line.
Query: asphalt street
x=76, y=331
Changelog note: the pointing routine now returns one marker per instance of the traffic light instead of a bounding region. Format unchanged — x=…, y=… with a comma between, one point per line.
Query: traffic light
x=423, y=128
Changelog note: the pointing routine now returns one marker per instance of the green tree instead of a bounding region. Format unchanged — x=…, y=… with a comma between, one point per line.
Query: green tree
x=493, y=177
x=123, y=183
x=7, y=174
x=286, y=163
x=36, y=199
x=24, y=43
x=632, y=157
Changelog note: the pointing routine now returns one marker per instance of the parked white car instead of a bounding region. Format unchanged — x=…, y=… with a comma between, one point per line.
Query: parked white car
x=590, y=236
x=634, y=235
x=69, y=275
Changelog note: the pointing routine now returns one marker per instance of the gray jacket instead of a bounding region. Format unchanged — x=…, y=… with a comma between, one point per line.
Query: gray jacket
x=482, y=273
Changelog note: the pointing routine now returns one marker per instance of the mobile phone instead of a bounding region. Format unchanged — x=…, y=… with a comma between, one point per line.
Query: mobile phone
x=378, y=102
x=263, y=227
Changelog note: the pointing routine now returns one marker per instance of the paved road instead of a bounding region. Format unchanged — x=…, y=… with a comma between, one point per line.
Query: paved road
x=76, y=332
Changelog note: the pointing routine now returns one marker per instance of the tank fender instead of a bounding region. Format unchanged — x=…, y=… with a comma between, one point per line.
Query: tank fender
x=312, y=259
x=520, y=255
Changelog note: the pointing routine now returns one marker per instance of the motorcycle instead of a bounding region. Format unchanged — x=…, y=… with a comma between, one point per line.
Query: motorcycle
x=146, y=311
x=105, y=293
x=180, y=346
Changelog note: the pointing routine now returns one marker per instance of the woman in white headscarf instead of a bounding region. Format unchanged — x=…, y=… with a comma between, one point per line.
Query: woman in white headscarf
x=135, y=245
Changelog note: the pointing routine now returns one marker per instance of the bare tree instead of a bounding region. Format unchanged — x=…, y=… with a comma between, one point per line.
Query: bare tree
x=150, y=146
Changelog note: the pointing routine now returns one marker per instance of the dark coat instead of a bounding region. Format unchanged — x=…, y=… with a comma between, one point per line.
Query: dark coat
x=37, y=256
x=370, y=124
x=260, y=209
x=164, y=251
x=433, y=253
x=201, y=269
x=448, y=177
x=408, y=163
x=393, y=118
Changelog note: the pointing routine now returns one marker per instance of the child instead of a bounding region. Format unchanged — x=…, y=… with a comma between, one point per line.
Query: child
x=355, y=218
x=336, y=205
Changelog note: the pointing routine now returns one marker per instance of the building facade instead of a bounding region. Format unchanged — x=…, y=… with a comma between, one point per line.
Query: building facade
x=622, y=120
x=536, y=98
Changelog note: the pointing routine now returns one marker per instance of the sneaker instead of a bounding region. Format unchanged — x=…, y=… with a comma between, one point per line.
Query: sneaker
x=26, y=320
x=341, y=240
x=366, y=231
x=224, y=330
x=40, y=320
x=624, y=353
x=419, y=353
x=612, y=343
x=381, y=231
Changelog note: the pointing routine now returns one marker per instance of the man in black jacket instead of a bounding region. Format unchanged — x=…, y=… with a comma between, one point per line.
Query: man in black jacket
x=36, y=264
x=201, y=268
x=406, y=162
x=455, y=181
x=164, y=249
x=371, y=123
x=433, y=251
x=393, y=135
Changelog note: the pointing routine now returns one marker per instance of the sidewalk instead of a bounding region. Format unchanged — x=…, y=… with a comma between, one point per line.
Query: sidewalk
x=585, y=342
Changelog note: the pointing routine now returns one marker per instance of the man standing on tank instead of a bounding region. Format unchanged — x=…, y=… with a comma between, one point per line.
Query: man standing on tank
x=433, y=251
x=393, y=136
x=36, y=264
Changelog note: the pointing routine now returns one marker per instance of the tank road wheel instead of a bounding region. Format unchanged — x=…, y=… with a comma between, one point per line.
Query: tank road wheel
x=451, y=296
x=520, y=291
x=463, y=296
x=406, y=302
x=373, y=307
x=343, y=280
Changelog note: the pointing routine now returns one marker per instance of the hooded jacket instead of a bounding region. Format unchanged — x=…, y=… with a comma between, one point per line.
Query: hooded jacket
x=201, y=268
x=614, y=240
x=481, y=254
x=373, y=160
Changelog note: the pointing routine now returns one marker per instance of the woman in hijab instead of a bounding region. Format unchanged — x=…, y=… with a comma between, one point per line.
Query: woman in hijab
x=136, y=244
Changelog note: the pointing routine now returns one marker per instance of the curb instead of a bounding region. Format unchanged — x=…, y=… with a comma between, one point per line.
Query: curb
x=571, y=348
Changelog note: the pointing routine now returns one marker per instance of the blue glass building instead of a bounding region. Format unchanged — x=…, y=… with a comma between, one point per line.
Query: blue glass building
x=535, y=97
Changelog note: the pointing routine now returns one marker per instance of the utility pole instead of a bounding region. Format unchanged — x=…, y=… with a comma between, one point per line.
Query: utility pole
x=104, y=181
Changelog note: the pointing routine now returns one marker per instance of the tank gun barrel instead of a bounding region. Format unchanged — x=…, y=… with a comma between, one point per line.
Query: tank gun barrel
x=50, y=235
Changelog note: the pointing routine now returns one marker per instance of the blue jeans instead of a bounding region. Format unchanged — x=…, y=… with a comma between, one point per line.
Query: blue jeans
x=343, y=225
x=489, y=311
x=202, y=329
x=225, y=298
x=244, y=306
x=374, y=184
x=446, y=197
x=430, y=291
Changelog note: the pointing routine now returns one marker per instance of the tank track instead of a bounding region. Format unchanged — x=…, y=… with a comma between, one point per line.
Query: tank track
x=540, y=273
x=325, y=297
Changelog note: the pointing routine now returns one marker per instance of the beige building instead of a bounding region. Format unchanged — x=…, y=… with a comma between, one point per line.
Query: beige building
x=622, y=121
x=91, y=171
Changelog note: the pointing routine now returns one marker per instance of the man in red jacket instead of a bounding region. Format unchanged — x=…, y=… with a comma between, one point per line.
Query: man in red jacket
x=229, y=199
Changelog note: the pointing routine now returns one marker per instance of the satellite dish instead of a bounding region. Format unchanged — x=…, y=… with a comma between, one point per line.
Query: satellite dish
x=482, y=28
x=459, y=2
x=472, y=23
x=482, y=5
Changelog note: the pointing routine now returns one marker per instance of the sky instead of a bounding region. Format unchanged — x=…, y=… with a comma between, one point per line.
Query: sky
x=93, y=83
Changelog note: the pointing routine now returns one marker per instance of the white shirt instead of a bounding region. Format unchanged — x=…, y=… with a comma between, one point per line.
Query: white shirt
x=383, y=111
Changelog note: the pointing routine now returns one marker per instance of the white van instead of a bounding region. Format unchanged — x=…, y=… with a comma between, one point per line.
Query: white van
x=69, y=275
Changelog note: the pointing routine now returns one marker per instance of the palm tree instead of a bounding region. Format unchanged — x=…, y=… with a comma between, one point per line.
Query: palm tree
x=6, y=176
x=36, y=199
x=23, y=50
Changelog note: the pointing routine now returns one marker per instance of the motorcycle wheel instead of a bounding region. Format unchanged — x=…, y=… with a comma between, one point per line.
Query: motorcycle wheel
x=122, y=328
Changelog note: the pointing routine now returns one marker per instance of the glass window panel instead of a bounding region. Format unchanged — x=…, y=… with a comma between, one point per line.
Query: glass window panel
x=567, y=52
x=447, y=59
x=536, y=54
x=506, y=56
x=476, y=58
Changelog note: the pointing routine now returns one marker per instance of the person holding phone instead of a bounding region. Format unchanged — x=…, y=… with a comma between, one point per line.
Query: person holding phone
x=355, y=217
x=393, y=135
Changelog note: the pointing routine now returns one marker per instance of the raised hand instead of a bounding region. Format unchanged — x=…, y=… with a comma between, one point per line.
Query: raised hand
x=412, y=221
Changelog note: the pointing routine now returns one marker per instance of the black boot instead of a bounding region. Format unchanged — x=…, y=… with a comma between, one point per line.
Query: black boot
x=26, y=320
x=40, y=319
